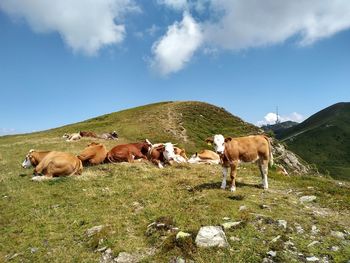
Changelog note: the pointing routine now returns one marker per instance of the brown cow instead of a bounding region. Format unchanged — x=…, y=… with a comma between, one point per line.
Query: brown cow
x=205, y=156
x=33, y=158
x=180, y=152
x=232, y=151
x=128, y=152
x=95, y=153
x=88, y=134
x=163, y=153
x=55, y=164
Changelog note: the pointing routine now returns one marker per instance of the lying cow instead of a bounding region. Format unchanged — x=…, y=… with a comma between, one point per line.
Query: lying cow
x=205, y=156
x=128, y=152
x=71, y=137
x=109, y=136
x=94, y=154
x=53, y=164
x=181, y=156
x=161, y=154
x=33, y=158
x=232, y=151
x=88, y=134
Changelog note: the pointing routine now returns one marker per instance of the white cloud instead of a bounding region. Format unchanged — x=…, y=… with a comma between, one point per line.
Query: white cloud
x=270, y=118
x=175, y=4
x=254, y=23
x=175, y=49
x=84, y=25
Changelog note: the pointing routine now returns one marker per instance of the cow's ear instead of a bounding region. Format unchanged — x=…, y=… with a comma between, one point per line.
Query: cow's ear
x=228, y=139
x=209, y=140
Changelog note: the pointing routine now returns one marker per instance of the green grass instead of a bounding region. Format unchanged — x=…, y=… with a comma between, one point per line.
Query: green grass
x=52, y=217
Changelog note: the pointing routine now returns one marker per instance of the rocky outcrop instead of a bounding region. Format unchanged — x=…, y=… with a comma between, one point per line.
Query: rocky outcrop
x=288, y=162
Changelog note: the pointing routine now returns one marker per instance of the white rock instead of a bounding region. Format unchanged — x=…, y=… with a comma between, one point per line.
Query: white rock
x=313, y=243
x=235, y=239
x=338, y=234
x=211, y=236
x=272, y=253
x=298, y=228
x=94, y=230
x=107, y=256
x=124, y=257
x=182, y=235
x=226, y=218
x=335, y=248
x=228, y=225
x=314, y=230
x=282, y=223
x=242, y=208
x=275, y=239
x=312, y=259
x=307, y=198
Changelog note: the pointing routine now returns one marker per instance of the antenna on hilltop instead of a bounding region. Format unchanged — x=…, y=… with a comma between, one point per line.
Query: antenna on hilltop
x=277, y=116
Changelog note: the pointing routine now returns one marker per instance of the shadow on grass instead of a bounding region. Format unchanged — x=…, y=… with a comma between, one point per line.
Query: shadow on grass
x=217, y=185
x=24, y=175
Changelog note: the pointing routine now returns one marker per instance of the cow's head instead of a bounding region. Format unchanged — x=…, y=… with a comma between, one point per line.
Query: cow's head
x=65, y=136
x=114, y=134
x=218, y=142
x=169, y=153
x=29, y=160
x=194, y=158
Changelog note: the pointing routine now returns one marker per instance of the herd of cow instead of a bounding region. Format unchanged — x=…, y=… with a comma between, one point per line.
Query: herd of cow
x=229, y=152
x=78, y=135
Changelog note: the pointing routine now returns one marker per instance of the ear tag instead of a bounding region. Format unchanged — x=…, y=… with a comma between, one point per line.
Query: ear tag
x=209, y=143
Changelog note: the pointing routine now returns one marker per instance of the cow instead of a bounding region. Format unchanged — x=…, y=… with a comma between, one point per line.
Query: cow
x=128, y=152
x=71, y=137
x=88, y=134
x=206, y=157
x=163, y=153
x=109, y=136
x=181, y=156
x=33, y=158
x=53, y=164
x=232, y=151
x=94, y=153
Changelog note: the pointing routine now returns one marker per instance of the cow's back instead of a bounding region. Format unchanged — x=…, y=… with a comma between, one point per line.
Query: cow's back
x=248, y=148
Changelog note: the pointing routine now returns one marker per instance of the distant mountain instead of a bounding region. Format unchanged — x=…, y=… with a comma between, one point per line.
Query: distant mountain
x=279, y=127
x=323, y=139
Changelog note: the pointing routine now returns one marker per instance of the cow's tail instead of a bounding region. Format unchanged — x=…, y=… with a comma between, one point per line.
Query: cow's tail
x=270, y=151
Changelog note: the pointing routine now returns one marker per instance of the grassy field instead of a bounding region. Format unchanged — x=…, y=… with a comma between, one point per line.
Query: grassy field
x=47, y=221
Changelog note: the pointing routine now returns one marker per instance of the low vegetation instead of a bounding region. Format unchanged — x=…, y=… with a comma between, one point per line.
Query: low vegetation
x=324, y=140
x=48, y=221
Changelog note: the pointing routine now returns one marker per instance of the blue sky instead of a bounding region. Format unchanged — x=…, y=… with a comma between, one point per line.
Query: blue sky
x=65, y=62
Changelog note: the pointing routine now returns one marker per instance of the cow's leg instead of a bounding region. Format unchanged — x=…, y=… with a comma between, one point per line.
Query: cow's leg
x=233, y=176
x=224, y=175
x=263, y=166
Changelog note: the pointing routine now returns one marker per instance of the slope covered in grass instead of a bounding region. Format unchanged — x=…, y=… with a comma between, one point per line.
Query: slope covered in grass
x=324, y=139
x=47, y=221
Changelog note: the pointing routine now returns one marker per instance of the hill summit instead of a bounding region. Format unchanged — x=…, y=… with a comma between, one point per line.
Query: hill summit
x=187, y=123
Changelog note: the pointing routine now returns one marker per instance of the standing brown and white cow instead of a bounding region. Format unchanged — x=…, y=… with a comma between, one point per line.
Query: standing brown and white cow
x=232, y=151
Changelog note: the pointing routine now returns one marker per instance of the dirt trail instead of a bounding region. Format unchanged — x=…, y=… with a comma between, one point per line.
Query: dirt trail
x=174, y=124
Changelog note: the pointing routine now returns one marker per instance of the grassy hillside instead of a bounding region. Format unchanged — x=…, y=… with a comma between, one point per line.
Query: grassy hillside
x=324, y=139
x=186, y=123
x=47, y=221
